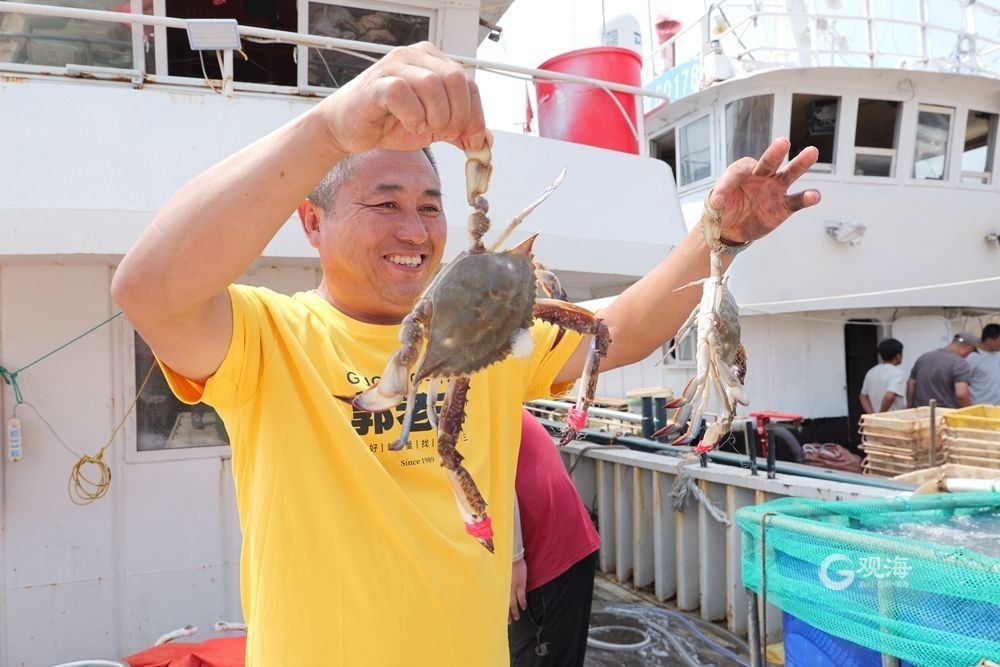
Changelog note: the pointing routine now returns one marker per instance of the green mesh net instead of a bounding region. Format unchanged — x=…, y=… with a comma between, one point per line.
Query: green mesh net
x=914, y=577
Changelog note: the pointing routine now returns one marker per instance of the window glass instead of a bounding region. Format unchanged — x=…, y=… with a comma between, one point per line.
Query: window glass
x=332, y=69
x=256, y=62
x=684, y=352
x=694, y=153
x=980, y=145
x=814, y=123
x=56, y=42
x=930, y=153
x=664, y=148
x=875, y=138
x=748, y=127
x=162, y=421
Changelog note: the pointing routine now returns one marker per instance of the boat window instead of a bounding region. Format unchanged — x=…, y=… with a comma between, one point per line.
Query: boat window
x=814, y=123
x=930, y=152
x=748, y=127
x=56, y=42
x=684, y=352
x=329, y=68
x=875, y=137
x=693, y=152
x=163, y=422
x=665, y=148
x=980, y=146
x=257, y=62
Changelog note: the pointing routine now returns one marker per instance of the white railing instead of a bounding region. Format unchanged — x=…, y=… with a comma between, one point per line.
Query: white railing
x=666, y=522
x=264, y=35
x=954, y=37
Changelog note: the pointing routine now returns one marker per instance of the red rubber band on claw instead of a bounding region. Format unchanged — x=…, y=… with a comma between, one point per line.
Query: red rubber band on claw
x=481, y=530
x=577, y=418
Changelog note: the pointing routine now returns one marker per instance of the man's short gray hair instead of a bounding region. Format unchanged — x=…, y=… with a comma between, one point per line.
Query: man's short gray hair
x=325, y=192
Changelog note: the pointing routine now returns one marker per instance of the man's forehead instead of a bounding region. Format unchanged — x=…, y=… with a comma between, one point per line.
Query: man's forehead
x=392, y=171
x=391, y=187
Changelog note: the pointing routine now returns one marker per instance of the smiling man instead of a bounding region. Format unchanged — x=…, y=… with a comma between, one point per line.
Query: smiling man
x=354, y=554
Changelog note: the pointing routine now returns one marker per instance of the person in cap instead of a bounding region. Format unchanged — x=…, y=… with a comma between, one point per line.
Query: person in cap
x=984, y=384
x=943, y=374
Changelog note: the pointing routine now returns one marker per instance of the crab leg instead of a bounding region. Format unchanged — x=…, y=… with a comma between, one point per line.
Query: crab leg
x=575, y=318
x=471, y=504
x=548, y=284
x=395, y=381
x=519, y=218
x=432, y=391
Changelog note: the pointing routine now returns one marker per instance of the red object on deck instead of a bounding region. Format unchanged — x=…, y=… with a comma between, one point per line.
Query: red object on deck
x=767, y=416
x=586, y=114
x=220, y=652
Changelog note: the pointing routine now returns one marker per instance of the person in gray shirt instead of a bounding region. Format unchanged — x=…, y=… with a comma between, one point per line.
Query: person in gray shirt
x=943, y=374
x=984, y=383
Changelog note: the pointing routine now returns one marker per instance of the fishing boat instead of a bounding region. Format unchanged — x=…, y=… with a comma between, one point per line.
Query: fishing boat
x=118, y=517
x=900, y=99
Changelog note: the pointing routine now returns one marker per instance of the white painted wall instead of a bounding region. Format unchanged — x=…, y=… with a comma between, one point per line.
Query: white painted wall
x=795, y=361
x=161, y=549
x=85, y=166
x=92, y=180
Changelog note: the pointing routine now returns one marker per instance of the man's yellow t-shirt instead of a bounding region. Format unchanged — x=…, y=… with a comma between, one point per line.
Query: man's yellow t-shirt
x=354, y=554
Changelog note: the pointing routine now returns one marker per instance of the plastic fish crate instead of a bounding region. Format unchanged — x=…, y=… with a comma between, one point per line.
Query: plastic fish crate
x=972, y=436
x=950, y=471
x=899, y=441
x=980, y=417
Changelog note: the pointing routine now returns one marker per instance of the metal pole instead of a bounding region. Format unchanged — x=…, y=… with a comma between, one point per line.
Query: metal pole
x=647, y=417
x=750, y=433
x=769, y=429
x=659, y=415
x=932, y=436
x=753, y=630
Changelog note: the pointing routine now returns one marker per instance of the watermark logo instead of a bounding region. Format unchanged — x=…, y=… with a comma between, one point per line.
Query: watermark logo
x=844, y=577
x=838, y=571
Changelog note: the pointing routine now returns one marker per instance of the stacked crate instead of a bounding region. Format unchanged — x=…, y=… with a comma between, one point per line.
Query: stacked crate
x=900, y=441
x=972, y=436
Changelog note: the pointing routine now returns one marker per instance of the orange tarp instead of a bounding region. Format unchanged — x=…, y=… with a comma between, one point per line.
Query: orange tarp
x=221, y=652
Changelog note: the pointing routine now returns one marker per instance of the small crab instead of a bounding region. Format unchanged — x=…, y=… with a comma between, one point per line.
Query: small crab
x=721, y=358
x=475, y=313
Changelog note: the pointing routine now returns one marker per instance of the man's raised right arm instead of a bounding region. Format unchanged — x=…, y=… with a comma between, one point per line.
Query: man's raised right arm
x=172, y=285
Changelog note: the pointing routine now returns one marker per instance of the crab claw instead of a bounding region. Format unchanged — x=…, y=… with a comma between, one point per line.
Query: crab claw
x=677, y=420
x=478, y=169
x=388, y=391
x=713, y=435
x=482, y=530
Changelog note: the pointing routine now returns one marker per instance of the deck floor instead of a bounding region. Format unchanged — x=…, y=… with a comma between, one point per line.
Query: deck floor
x=630, y=629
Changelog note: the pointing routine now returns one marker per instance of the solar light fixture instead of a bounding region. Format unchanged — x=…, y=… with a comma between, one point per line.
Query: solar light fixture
x=849, y=233
x=213, y=34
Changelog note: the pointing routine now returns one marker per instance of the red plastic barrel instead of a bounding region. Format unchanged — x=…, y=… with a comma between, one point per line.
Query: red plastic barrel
x=586, y=114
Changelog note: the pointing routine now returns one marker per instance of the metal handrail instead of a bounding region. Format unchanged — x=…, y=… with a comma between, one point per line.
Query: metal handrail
x=313, y=41
x=921, y=55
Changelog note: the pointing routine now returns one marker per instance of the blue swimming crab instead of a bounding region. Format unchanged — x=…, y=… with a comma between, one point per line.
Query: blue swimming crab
x=475, y=313
x=721, y=360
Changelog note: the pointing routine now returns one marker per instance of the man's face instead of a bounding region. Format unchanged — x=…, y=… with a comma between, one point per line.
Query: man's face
x=383, y=238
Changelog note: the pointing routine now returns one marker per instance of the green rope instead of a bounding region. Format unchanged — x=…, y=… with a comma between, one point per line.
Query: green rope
x=10, y=377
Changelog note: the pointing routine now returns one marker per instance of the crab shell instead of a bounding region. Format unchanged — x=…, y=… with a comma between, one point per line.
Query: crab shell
x=478, y=304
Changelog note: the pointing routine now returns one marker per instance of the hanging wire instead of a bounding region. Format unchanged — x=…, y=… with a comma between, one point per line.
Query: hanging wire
x=10, y=377
x=84, y=490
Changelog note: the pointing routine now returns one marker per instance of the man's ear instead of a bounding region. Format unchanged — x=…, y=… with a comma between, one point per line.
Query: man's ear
x=310, y=216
